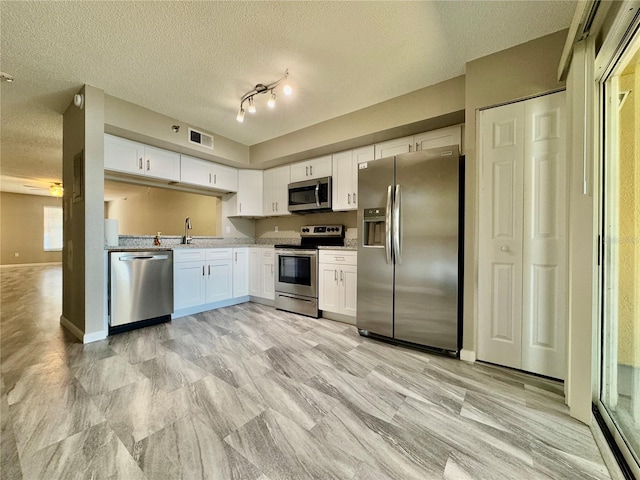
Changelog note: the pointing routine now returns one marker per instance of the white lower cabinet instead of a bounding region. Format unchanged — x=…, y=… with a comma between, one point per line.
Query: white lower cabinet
x=219, y=281
x=240, y=272
x=188, y=278
x=261, y=273
x=205, y=276
x=337, y=278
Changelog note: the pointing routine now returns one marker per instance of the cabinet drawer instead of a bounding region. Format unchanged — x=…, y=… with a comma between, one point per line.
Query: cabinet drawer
x=219, y=254
x=340, y=257
x=267, y=253
x=181, y=255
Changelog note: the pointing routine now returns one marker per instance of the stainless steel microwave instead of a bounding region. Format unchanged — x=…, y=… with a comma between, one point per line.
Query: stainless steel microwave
x=310, y=195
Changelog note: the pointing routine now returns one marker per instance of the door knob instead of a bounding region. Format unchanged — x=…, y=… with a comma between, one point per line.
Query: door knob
x=504, y=248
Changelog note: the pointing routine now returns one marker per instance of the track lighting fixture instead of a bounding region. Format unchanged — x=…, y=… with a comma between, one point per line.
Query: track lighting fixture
x=262, y=88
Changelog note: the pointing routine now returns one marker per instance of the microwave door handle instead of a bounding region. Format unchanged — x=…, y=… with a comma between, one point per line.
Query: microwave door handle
x=396, y=225
x=387, y=224
x=318, y=193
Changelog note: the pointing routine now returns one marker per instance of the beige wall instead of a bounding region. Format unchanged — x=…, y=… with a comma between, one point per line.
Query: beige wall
x=22, y=228
x=150, y=210
x=83, y=253
x=516, y=73
x=141, y=124
x=429, y=108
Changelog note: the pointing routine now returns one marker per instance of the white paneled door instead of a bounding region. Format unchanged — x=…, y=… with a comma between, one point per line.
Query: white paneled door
x=523, y=240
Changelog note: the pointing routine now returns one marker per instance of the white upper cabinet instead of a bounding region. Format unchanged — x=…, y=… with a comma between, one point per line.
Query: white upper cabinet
x=276, y=181
x=207, y=174
x=122, y=155
x=249, y=197
x=423, y=141
x=345, y=177
x=310, y=169
x=438, y=138
x=396, y=146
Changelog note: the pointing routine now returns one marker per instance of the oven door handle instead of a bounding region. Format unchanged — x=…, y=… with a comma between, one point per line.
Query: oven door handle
x=318, y=193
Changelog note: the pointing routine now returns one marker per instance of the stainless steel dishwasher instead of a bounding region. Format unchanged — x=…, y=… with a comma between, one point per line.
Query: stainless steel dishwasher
x=140, y=288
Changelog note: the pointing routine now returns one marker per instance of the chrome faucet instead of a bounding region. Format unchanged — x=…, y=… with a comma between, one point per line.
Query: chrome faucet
x=187, y=226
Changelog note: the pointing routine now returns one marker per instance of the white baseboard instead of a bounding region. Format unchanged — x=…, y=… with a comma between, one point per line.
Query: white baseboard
x=468, y=355
x=79, y=334
x=95, y=336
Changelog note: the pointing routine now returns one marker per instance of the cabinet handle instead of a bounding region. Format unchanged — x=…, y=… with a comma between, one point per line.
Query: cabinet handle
x=310, y=169
x=140, y=164
x=410, y=147
x=271, y=269
x=209, y=266
x=354, y=197
x=236, y=257
x=276, y=206
x=335, y=275
x=306, y=170
x=349, y=198
x=273, y=207
x=341, y=276
x=338, y=259
x=240, y=207
x=209, y=178
x=148, y=164
x=416, y=146
x=215, y=178
x=203, y=270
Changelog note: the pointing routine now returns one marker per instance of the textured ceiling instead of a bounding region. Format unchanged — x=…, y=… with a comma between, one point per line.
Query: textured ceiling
x=194, y=60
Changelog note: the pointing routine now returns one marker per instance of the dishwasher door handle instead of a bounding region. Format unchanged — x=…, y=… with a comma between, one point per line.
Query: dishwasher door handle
x=146, y=257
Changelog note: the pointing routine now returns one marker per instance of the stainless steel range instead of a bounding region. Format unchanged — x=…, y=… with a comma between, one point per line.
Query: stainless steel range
x=296, y=275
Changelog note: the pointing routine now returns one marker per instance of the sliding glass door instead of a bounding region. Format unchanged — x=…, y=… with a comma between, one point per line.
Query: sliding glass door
x=620, y=287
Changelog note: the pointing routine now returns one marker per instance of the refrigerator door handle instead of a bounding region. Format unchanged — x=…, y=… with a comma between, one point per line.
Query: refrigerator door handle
x=387, y=224
x=395, y=222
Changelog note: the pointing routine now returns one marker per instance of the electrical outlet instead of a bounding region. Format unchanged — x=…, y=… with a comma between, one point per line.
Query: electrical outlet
x=16, y=254
x=228, y=229
x=276, y=228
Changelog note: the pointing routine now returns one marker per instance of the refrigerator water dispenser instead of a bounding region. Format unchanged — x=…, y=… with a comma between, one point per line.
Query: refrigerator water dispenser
x=374, y=227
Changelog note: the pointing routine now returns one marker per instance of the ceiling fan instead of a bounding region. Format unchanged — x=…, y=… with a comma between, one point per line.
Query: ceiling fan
x=55, y=188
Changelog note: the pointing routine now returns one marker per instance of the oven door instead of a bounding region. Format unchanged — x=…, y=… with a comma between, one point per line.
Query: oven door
x=297, y=272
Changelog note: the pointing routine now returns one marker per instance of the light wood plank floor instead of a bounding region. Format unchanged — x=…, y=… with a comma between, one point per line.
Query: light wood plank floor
x=248, y=392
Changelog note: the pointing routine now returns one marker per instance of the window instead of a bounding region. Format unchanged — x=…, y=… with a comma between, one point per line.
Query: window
x=620, y=292
x=52, y=229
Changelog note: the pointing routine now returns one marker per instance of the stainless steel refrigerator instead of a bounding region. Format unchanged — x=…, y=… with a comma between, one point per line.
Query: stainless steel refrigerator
x=409, y=252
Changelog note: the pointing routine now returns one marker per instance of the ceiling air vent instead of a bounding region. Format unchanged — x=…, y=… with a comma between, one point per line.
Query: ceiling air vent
x=200, y=138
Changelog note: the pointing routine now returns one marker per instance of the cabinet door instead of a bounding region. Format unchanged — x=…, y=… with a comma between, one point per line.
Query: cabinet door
x=255, y=271
x=160, y=163
x=342, y=181
x=219, y=282
x=276, y=182
x=348, y=289
x=267, y=279
x=249, y=193
x=195, y=171
x=122, y=155
x=360, y=155
x=320, y=167
x=224, y=178
x=329, y=287
x=394, y=147
x=188, y=284
x=310, y=169
x=442, y=137
x=240, y=272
